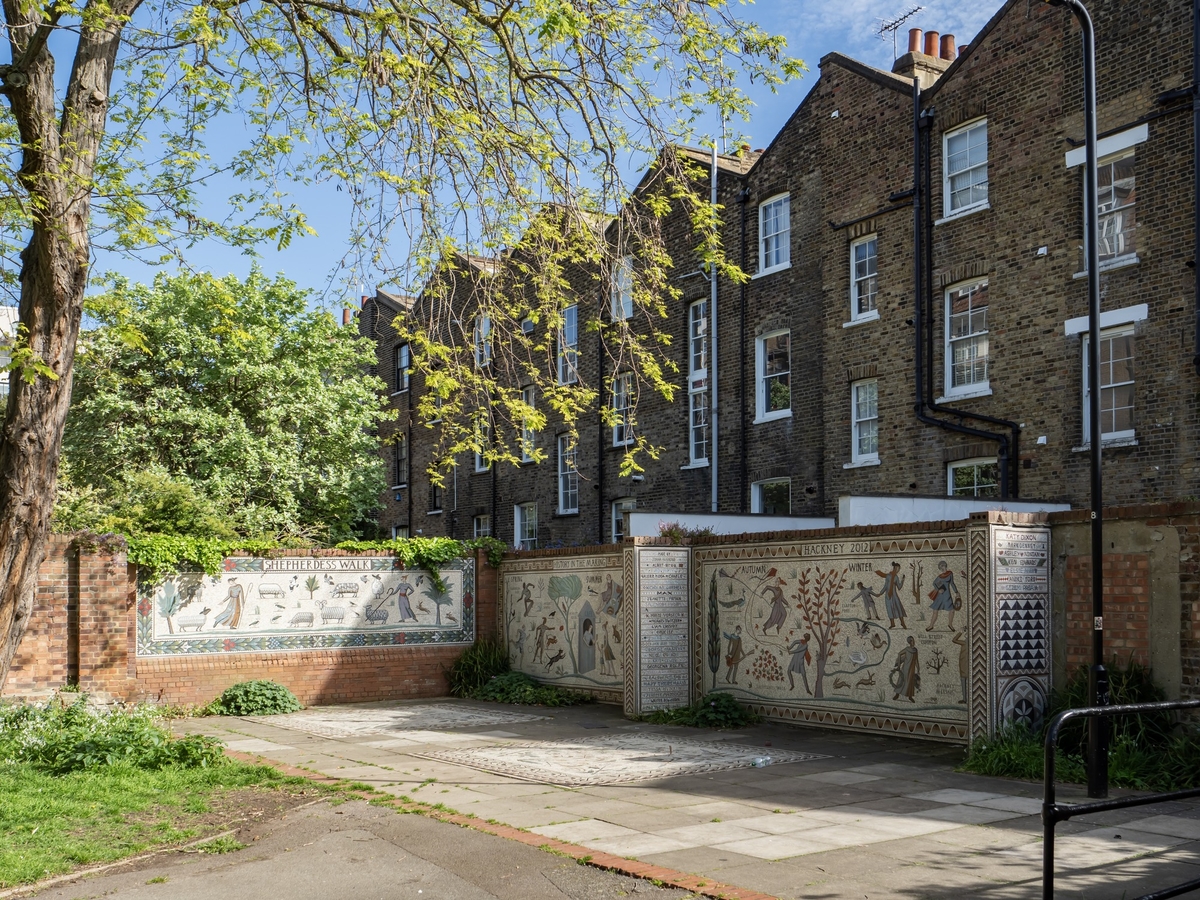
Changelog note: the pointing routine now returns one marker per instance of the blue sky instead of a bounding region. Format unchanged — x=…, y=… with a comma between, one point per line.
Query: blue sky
x=812, y=28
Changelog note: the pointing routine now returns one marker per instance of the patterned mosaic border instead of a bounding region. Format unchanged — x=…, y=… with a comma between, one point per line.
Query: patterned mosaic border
x=521, y=760
x=353, y=721
x=462, y=632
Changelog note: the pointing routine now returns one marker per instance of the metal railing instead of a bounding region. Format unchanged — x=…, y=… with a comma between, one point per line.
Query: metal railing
x=1054, y=812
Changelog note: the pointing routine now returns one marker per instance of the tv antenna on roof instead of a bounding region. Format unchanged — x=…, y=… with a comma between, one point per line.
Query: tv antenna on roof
x=891, y=26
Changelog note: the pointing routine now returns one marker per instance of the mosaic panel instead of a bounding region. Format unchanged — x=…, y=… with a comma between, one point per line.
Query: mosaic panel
x=563, y=620
x=614, y=759
x=855, y=633
x=303, y=603
x=353, y=721
x=1020, y=570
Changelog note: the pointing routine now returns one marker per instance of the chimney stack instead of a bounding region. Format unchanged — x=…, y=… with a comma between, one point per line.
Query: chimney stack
x=947, y=48
x=345, y=317
x=914, y=40
x=925, y=62
x=931, y=43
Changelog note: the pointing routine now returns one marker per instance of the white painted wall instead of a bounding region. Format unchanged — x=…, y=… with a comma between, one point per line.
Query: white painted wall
x=645, y=524
x=857, y=510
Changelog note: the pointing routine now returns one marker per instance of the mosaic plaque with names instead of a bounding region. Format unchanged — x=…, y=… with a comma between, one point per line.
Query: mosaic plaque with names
x=663, y=616
x=1020, y=567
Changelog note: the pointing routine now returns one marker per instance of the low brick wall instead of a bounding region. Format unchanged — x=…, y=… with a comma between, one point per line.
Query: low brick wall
x=83, y=631
x=1126, y=608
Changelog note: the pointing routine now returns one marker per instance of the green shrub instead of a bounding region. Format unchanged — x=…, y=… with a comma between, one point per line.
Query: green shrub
x=517, y=687
x=60, y=738
x=717, y=710
x=1148, y=751
x=255, y=698
x=479, y=664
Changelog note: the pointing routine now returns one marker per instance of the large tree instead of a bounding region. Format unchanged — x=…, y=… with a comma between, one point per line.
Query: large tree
x=234, y=389
x=451, y=123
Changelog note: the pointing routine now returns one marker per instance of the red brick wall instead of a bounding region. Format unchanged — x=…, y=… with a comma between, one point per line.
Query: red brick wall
x=83, y=631
x=1126, y=608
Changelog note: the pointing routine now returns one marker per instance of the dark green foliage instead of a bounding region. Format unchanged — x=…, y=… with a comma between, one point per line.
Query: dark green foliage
x=479, y=664
x=517, y=687
x=59, y=739
x=714, y=628
x=1147, y=752
x=717, y=710
x=255, y=698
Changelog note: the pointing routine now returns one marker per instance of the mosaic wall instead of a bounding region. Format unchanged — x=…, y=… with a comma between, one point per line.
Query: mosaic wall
x=869, y=634
x=562, y=619
x=1020, y=567
x=302, y=603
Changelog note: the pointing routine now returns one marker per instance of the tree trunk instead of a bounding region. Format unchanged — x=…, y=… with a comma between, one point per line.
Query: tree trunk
x=819, y=684
x=59, y=148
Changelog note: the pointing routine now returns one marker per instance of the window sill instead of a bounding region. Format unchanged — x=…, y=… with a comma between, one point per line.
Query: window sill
x=624, y=445
x=963, y=213
x=398, y=393
x=398, y=487
x=433, y=512
x=703, y=464
x=482, y=472
x=771, y=271
x=566, y=514
x=772, y=417
x=863, y=319
x=527, y=462
x=1108, y=444
x=1119, y=262
x=965, y=395
x=862, y=463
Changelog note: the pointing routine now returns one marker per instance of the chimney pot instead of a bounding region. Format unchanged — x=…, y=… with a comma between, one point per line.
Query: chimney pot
x=931, y=43
x=947, y=46
x=962, y=48
x=914, y=40
x=365, y=298
x=345, y=317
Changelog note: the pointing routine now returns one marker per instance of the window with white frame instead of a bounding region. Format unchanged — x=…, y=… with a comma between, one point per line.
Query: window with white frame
x=525, y=526
x=528, y=434
x=482, y=438
x=864, y=289
x=568, y=346
x=483, y=341
x=403, y=367
x=773, y=364
x=864, y=430
x=978, y=477
x=481, y=526
x=1116, y=385
x=621, y=300
x=965, y=172
x=622, y=407
x=400, y=456
x=698, y=383
x=967, y=339
x=1116, y=207
x=619, y=508
x=568, y=475
x=772, y=497
x=774, y=234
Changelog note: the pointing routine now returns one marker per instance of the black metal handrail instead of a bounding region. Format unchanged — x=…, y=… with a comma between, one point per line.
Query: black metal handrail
x=1054, y=812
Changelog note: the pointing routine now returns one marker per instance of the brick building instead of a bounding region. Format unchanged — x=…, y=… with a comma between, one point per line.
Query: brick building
x=922, y=336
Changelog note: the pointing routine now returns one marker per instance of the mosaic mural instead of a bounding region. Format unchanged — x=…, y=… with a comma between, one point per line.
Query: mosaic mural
x=615, y=758
x=563, y=619
x=1021, y=603
x=303, y=603
x=860, y=633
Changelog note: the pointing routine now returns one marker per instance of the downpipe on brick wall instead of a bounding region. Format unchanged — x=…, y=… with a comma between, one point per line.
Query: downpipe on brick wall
x=924, y=404
x=1196, y=169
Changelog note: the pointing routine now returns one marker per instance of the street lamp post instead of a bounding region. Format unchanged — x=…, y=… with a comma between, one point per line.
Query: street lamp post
x=1097, y=676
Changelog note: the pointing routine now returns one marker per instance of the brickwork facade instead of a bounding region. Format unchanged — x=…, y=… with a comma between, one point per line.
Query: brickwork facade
x=1126, y=608
x=1002, y=289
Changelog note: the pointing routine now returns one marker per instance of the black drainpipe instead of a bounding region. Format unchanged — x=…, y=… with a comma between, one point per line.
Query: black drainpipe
x=743, y=486
x=600, y=441
x=1196, y=168
x=922, y=253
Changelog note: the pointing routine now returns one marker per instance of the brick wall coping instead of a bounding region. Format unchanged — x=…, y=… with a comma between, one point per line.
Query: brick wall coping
x=590, y=550
x=1139, y=511
x=854, y=531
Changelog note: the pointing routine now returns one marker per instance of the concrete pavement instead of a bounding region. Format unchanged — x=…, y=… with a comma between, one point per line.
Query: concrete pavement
x=871, y=816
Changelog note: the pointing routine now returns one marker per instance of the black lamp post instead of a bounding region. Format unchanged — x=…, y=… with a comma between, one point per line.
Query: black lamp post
x=1097, y=677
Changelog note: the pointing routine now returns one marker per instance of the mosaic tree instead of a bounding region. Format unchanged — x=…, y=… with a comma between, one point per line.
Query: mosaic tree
x=563, y=591
x=818, y=600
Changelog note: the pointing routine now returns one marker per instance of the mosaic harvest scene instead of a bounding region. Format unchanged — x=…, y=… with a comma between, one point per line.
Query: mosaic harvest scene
x=300, y=603
x=866, y=628
x=563, y=622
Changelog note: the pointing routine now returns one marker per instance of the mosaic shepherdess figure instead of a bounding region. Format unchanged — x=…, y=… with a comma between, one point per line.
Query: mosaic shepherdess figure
x=893, y=583
x=231, y=615
x=944, y=595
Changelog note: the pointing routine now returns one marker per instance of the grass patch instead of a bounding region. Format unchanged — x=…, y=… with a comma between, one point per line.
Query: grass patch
x=517, y=687
x=224, y=844
x=717, y=710
x=1149, y=752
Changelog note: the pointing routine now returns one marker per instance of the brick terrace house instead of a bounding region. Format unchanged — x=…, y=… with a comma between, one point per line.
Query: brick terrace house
x=902, y=335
